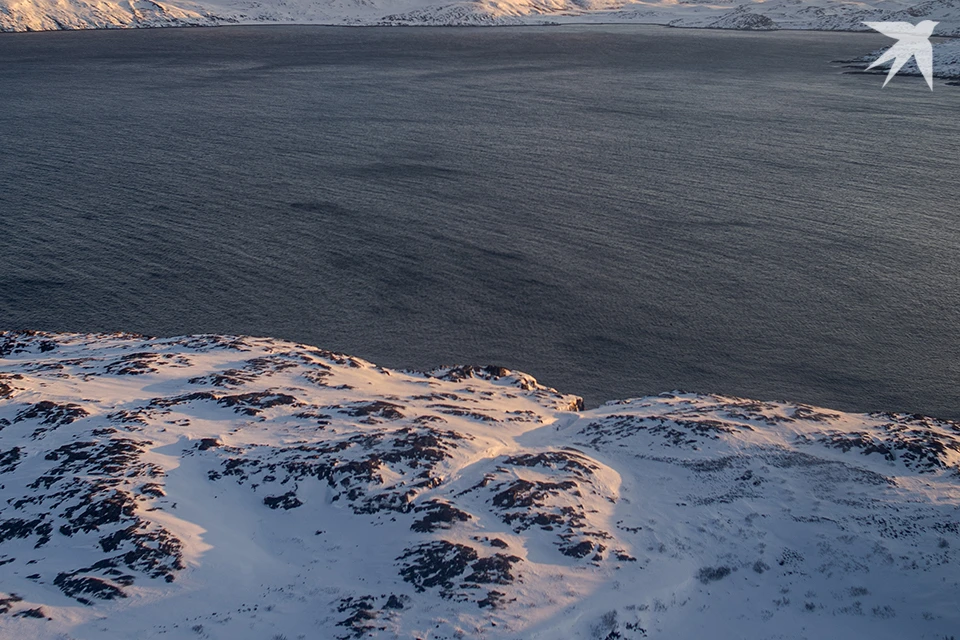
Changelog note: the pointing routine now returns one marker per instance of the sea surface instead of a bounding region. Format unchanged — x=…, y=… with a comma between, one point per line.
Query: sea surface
x=617, y=210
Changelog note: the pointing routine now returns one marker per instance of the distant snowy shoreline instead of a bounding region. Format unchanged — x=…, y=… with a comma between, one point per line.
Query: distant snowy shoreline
x=822, y=15
x=775, y=15
x=946, y=61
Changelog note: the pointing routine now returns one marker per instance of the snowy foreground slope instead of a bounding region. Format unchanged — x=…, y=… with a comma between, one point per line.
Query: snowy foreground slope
x=248, y=488
x=35, y=15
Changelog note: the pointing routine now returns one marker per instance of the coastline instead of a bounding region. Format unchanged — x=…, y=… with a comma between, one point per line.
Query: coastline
x=945, y=45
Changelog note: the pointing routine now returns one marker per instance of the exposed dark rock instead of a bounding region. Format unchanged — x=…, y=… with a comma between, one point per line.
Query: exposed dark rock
x=208, y=443
x=579, y=550
x=184, y=398
x=363, y=613
x=7, y=602
x=495, y=569
x=79, y=587
x=439, y=515
x=435, y=564
x=458, y=374
x=251, y=403
x=14, y=342
x=51, y=414
x=286, y=501
x=706, y=575
x=133, y=364
x=153, y=490
x=560, y=460
x=10, y=459
x=19, y=528
x=454, y=410
x=380, y=409
x=494, y=600
x=97, y=513
x=913, y=440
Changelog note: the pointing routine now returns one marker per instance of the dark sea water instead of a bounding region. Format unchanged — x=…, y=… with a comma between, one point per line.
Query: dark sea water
x=618, y=211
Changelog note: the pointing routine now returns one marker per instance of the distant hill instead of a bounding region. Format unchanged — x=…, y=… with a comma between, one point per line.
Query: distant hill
x=843, y=15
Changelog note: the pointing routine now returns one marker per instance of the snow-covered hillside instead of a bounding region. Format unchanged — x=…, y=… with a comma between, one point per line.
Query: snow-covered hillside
x=31, y=15
x=248, y=488
x=946, y=62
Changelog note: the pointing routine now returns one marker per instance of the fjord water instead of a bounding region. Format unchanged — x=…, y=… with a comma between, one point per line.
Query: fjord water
x=618, y=211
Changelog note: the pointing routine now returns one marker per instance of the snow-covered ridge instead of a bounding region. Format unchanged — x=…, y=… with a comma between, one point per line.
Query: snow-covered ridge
x=236, y=487
x=34, y=15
